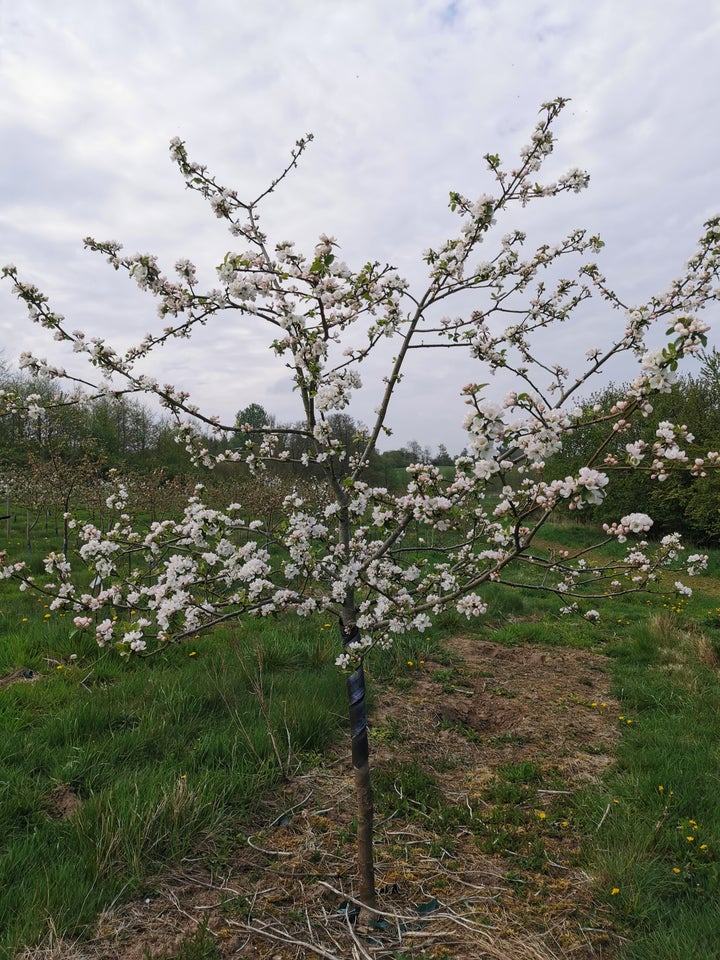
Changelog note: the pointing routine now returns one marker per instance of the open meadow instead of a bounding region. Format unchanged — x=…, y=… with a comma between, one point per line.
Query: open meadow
x=545, y=787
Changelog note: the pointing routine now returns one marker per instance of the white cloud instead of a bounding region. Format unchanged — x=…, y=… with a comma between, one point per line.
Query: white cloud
x=403, y=98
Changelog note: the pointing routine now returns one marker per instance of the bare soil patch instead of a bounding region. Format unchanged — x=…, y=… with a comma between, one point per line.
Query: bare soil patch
x=485, y=865
x=62, y=802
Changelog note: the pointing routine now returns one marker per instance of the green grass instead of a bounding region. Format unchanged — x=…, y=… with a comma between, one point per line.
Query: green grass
x=165, y=755
x=655, y=828
x=162, y=756
x=661, y=887
x=411, y=792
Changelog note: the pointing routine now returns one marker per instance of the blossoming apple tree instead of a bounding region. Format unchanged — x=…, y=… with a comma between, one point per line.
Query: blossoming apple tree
x=351, y=549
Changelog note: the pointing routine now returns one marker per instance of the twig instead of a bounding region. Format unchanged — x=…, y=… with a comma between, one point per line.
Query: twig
x=285, y=813
x=661, y=823
x=286, y=938
x=358, y=946
x=172, y=898
x=602, y=819
x=454, y=918
x=270, y=853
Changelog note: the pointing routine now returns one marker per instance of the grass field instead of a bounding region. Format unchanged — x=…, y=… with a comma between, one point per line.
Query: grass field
x=160, y=756
x=112, y=770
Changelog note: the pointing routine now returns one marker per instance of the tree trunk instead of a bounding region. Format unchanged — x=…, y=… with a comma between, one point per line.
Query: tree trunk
x=363, y=787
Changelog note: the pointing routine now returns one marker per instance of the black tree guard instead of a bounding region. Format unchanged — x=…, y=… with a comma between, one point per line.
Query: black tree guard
x=356, y=703
x=361, y=771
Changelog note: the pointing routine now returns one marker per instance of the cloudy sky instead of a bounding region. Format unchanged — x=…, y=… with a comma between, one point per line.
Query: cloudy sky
x=403, y=97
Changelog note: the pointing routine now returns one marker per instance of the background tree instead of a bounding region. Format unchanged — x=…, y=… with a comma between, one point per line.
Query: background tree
x=684, y=500
x=416, y=453
x=253, y=419
x=442, y=458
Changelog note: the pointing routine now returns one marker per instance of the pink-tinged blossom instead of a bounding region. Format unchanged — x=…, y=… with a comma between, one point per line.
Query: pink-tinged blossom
x=568, y=609
x=696, y=563
x=104, y=632
x=593, y=482
x=134, y=641
x=635, y=452
x=471, y=605
x=658, y=374
x=636, y=522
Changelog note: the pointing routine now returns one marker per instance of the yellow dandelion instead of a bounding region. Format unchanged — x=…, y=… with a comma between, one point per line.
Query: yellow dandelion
x=661, y=788
x=703, y=846
x=690, y=839
x=614, y=891
x=541, y=814
x=410, y=663
x=193, y=653
x=676, y=869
